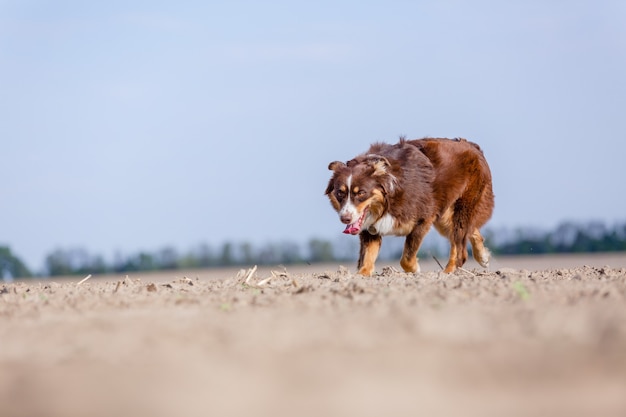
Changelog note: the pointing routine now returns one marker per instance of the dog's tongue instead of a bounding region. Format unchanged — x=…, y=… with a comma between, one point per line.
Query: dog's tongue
x=355, y=228
x=351, y=229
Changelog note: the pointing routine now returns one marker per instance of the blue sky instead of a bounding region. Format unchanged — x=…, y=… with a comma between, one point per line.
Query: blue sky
x=128, y=125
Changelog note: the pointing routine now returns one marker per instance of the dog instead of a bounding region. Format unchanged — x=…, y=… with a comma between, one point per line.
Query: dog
x=405, y=188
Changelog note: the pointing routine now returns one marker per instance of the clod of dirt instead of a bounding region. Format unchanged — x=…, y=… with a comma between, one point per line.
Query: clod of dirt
x=388, y=271
x=303, y=289
x=343, y=271
x=151, y=287
x=186, y=280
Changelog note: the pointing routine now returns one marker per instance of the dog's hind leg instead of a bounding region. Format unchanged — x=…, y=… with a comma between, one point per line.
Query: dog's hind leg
x=457, y=228
x=445, y=225
x=370, y=246
x=469, y=213
x=480, y=252
x=458, y=254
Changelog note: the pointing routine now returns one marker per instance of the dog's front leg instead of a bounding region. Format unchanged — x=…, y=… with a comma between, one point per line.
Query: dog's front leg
x=370, y=246
x=413, y=241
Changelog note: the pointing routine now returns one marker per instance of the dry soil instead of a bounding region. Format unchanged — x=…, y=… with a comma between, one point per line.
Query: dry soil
x=531, y=337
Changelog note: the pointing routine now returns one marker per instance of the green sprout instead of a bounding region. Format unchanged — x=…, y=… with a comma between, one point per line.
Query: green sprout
x=521, y=290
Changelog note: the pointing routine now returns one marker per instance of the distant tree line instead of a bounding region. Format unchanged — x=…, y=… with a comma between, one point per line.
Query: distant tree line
x=10, y=265
x=79, y=261
x=568, y=237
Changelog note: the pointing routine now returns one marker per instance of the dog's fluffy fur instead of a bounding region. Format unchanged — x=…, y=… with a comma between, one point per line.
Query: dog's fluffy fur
x=403, y=189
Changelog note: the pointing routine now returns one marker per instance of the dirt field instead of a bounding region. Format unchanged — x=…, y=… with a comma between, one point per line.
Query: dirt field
x=531, y=337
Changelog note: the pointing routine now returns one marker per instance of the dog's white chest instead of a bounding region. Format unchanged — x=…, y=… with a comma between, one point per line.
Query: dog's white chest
x=384, y=226
x=389, y=225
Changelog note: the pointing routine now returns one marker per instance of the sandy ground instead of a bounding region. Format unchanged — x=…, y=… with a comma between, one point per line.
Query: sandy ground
x=535, y=336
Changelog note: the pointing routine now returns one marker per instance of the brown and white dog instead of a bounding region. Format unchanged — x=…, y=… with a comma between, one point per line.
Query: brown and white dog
x=405, y=188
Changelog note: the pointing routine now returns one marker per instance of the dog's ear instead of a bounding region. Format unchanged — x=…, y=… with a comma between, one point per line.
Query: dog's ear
x=381, y=168
x=333, y=166
x=336, y=166
x=330, y=188
x=380, y=164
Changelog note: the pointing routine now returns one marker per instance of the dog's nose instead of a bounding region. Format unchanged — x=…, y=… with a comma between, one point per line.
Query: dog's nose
x=346, y=218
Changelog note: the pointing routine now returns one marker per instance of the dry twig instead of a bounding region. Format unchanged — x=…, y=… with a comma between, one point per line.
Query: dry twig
x=266, y=280
x=438, y=263
x=458, y=267
x=84, y=279
x=465, y=270
x=251, y=272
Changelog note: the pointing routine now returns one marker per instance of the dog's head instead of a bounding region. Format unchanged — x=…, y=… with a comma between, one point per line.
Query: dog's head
x=358, y=190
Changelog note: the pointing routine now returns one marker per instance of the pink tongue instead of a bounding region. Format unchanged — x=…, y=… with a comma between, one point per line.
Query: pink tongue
x=351, y=229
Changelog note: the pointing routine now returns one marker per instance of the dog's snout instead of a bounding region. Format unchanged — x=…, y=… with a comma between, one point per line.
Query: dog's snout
x=346, y=218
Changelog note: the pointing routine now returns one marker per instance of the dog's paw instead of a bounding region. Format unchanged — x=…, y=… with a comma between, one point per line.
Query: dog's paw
x=366, y=272
x=483, y=258
x=410, y=265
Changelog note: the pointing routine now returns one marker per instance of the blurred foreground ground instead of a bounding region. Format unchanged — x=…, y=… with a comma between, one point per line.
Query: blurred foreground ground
x=532, y=336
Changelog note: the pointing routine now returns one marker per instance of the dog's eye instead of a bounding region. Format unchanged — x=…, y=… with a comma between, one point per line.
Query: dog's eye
x=340, y=195
x=361, y=195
